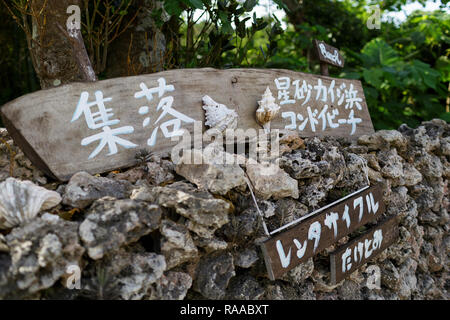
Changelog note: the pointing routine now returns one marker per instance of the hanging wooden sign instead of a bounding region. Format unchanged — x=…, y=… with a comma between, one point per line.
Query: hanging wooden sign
x=293, y=247
x=100, y=126
x=345, y=260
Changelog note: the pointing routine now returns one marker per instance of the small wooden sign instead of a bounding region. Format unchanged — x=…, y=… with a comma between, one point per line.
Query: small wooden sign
x=293, y=247
x=359, y=251
x=327, y=55
x=99, y=126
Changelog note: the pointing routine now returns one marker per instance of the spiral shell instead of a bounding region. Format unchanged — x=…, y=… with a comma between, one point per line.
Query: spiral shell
x=21, y=201
x=267, y=110
x=218, y=116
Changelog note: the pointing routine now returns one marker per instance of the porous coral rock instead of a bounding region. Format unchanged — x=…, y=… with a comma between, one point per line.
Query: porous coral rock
x=135, y=280
x=112, y=223
x=269, y=181
x=41, y=251
x=213, y=275
x=244, y=287
x=171, y=286
x=205, y=213
x=83, y=189
x=176, y=244
x=218, y=178
x=245, y=258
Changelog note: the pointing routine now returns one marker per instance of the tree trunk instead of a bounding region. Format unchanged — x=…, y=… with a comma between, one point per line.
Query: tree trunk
x=141, y=48
x=295, y=12
x=58, y=52
x=296, y=16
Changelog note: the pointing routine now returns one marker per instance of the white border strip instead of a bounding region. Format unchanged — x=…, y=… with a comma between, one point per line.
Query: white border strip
x=317, y=211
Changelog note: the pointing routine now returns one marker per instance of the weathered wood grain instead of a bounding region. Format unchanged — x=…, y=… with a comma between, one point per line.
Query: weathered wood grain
x=40, y=123
x=284, y=247
x=362, y=249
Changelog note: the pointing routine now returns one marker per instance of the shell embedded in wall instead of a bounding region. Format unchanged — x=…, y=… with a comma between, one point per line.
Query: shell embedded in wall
x=267, y=110
x=21, y=201
x=218, y=116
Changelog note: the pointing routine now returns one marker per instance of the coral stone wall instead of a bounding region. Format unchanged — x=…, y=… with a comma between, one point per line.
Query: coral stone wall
x=164, y=231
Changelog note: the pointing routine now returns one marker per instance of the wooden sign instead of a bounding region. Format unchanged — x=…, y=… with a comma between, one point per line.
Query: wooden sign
x=327, y=55
x=293, y=247
x=359, y=251
x=100, y=126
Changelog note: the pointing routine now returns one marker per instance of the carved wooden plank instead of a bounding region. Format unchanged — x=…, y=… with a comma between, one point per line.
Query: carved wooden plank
x=293, y=247
x=328, y=54
x=48, y=128
x=345, y=260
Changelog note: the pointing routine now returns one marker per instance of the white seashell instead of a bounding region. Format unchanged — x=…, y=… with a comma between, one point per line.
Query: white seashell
x=21, y=201
x=267, y=110
x=218, y=116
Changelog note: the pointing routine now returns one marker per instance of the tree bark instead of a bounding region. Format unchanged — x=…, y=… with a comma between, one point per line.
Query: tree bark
x=142, y=47
x=58, y=54
x=295, y=13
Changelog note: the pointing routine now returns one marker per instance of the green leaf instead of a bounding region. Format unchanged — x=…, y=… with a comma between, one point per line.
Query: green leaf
x=373, y=77
x=445, y=116
x=377, y=52
x=281, y=4
x=250, y=4
x=197, y=4
x=226, y=23
x=173, y=7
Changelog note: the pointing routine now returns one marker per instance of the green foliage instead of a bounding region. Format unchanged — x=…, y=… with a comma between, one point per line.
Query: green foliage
x=17, y=76
x=221, y=34
x=398, y=90
x=404, y=78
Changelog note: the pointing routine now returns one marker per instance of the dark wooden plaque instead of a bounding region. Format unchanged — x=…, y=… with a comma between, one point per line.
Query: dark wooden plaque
x=359, y=251
x=293, y=247
x=328, y=54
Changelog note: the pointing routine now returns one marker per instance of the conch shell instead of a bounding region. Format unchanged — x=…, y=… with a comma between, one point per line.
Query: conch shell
x=267, y=110
x=218, y=116
x=21, y=201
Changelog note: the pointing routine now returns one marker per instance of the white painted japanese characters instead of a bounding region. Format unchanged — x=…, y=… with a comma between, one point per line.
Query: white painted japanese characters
x=354, y=254
x=290, y=248
x=100, y=126
x=328, y=100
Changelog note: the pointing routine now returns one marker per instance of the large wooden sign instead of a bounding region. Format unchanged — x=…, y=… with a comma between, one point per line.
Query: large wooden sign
x=359, y=251
x=100, y=126
x=293, y=247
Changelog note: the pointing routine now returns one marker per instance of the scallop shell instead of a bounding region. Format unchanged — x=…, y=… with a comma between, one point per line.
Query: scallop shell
x=21, y=201
x=218, y=116
x=267, y=110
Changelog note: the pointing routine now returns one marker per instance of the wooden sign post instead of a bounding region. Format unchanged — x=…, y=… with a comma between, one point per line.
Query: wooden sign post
x=293, y=247
x=98, y=127
x=359, y=251
x=327, y=55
